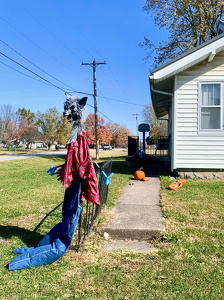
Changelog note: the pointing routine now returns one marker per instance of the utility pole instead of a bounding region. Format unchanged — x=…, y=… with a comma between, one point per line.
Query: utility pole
x=136, y=116
x=94, y=64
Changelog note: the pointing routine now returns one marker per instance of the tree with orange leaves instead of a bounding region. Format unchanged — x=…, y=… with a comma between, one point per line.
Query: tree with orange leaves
x=104, y=134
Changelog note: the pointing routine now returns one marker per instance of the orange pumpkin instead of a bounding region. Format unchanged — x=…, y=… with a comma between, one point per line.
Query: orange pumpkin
x=182, y=180
x=175, y=185
x=139, y=174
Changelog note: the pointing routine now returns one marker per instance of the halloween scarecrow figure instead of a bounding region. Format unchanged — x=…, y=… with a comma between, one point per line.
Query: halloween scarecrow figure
x=77, y=174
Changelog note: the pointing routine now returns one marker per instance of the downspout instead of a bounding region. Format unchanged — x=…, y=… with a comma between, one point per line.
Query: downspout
x=172, y=95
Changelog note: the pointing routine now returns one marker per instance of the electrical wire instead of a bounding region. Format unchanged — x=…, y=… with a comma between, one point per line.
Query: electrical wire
x=76, y=91
x=49, y=31
x=108, y=98
x=59, y=41
x=34, y=64
x=32, y=72
x=36, y=44
x=52, y=84
x=73, y=54
x=120, y=101
x=23, y=73
x=45, y=80
x=102, y=114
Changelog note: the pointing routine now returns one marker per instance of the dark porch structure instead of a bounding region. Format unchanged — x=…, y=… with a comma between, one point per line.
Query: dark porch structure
x=156, y=156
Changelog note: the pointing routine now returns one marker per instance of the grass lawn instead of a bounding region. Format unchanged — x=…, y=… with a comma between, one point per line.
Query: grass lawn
x=188, y=265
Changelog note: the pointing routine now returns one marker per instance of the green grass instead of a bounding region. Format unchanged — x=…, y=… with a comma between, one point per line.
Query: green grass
x=188, y=265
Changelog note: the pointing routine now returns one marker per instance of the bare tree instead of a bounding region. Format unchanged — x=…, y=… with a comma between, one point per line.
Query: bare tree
x=188, y=22
x=8, y=123
x=158, y=127
x=119, y=133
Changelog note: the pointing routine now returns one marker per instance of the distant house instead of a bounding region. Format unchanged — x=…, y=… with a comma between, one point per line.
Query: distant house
x=190, y=90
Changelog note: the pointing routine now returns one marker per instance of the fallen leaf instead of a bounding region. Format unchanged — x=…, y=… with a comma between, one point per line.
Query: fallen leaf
x=163, y=277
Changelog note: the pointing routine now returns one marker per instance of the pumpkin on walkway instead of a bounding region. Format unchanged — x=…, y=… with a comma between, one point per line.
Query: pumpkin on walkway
x=140, y=175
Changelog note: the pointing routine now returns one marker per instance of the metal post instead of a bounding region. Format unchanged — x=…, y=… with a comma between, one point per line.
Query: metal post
x=94, y=64
x=136, y=115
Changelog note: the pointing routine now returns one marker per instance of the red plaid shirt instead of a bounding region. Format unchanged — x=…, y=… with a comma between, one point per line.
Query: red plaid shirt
x=78, y=162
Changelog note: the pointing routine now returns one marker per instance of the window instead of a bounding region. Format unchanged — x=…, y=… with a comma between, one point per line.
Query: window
x=210, y=108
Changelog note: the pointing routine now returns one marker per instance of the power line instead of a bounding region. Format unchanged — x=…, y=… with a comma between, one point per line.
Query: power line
x=108, y=98
x=121, y=101
x=54, y=36
x=73, y=91
x=32, y=72
x=59, y=62
x=23, y=73
x=50, y=83
x=76, y=91
x=35, y=44
x=34, y=64
x=102, y=114
x=49, y=31
x=45, y=81
x=96, y=50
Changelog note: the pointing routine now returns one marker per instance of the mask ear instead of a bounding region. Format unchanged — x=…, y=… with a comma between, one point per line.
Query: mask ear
x=83, y=101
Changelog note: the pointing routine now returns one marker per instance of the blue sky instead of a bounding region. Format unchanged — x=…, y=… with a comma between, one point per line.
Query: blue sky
x=53, y=37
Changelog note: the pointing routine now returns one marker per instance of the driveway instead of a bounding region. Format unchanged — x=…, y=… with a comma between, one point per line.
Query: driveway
x=5, y=157
x=29, y=155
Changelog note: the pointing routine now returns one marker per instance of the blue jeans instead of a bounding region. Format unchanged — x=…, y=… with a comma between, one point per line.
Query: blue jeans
x=58, y=239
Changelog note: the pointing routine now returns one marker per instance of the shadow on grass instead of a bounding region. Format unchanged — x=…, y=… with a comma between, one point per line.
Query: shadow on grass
x=121, y=166
x=54, y=157
x=29, y=238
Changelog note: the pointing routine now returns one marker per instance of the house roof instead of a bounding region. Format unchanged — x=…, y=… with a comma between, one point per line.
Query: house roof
x=162, y=77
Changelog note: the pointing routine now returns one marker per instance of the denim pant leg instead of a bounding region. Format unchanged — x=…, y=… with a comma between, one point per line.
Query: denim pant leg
x=71, y=211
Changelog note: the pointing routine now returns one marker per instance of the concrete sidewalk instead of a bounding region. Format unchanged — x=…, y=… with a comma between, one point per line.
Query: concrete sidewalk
x=137, y=217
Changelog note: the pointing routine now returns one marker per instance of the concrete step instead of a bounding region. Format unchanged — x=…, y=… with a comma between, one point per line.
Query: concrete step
x=131, y=245
x=137, y=214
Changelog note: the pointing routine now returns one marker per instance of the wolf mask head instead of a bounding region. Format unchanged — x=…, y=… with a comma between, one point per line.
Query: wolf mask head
x=74, y=109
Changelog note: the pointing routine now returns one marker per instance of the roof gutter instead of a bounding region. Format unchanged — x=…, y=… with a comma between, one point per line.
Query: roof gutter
x=161, y=92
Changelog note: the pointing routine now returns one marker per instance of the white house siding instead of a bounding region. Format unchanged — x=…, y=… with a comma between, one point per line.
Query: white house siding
x=193, y=149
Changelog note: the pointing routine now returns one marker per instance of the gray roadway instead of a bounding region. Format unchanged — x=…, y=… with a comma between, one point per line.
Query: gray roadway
x=6, y=157
x=29, y=155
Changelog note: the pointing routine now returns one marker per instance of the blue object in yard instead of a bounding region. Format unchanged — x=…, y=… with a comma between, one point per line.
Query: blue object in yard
x=106, y=179
x=59, y=238
x=52, y=170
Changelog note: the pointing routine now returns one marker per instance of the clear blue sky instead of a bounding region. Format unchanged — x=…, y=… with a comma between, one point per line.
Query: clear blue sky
x=56, y=36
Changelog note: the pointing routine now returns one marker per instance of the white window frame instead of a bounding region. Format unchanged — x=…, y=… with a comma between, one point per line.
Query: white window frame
x=221, y=129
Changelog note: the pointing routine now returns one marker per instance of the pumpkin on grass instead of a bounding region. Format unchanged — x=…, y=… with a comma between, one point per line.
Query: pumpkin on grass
x=175, y=185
